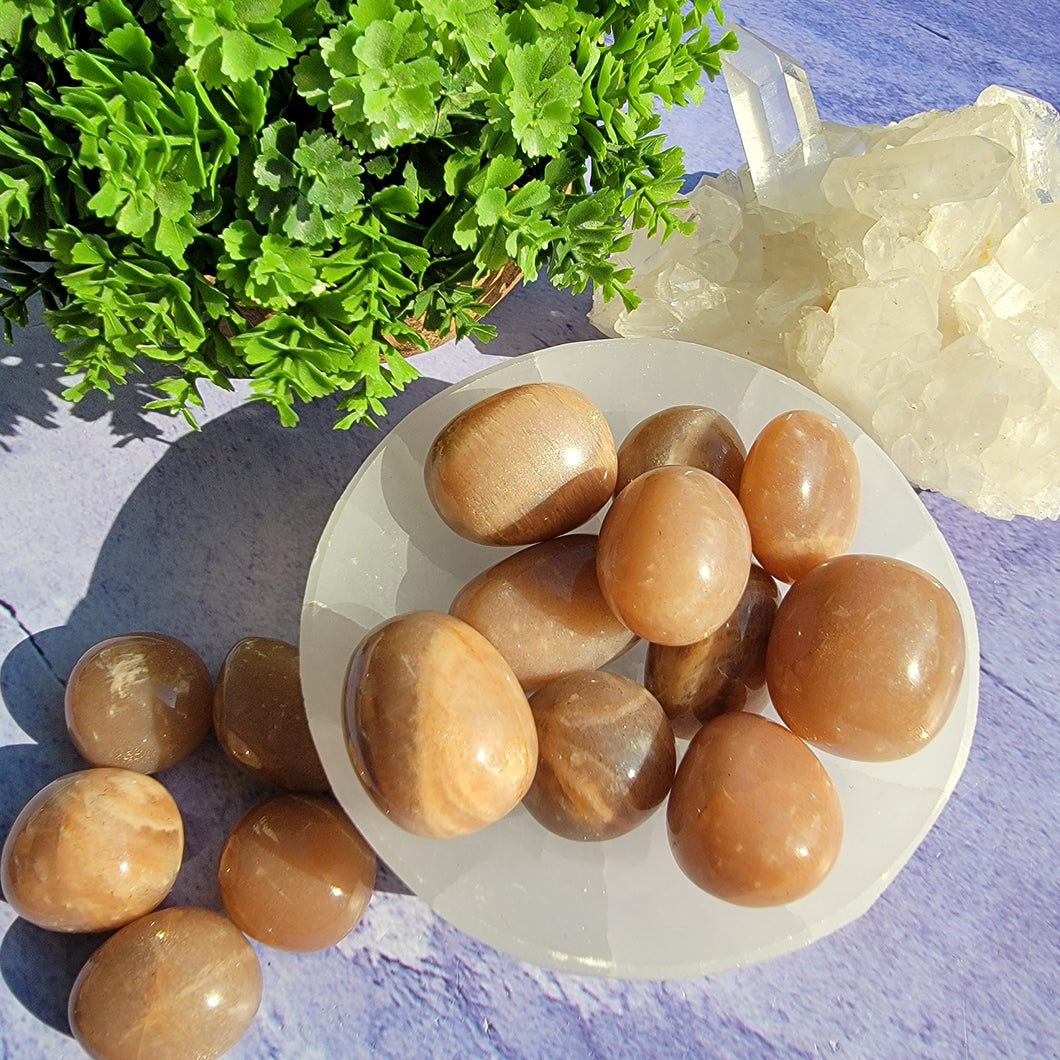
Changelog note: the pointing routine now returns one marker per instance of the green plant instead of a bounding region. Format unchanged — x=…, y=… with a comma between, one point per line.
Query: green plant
x=279, y=189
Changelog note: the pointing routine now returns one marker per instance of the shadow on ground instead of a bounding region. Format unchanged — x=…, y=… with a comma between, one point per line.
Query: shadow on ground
x=213, y=545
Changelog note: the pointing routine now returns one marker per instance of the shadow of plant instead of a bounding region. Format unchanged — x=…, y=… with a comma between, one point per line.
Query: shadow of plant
x=538, y=315
x=33, y=376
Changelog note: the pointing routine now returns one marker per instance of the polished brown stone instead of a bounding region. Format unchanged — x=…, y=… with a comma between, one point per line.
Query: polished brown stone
x=295, y=873
x=529, y=463
x=543, y=610
x=92, y=850
x=438, y=727
x=866, y=657
x=140, y=701
x=686, y=434
x=801, y=492
x=178, y=984
x=753, y=816
x=674, y=555
x=726, y=671
x=607, y=756
x=259, y=715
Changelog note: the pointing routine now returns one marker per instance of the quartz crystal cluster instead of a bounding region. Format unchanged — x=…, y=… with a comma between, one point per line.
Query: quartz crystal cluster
x=909, y=273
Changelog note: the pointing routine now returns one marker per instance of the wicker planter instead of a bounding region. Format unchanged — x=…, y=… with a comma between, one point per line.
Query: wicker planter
x=494, y=287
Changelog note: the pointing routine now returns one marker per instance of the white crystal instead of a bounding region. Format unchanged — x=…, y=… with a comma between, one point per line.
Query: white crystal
x=1028, y=253
x=881, y=331
x=777, y=118
x=888, y=254
x=909, y=273
x=775, y=109
x=1038, y=128
x=961, y=234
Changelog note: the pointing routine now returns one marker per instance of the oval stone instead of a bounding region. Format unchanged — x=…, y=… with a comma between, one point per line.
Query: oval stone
x=674, y=555
x=176, y=984
x=685, y=434
x=295, y=873
x=529, y=463
x=259, y=715
x=726, y=671
x=438, y=728
x=753, y=817
x=607, y=756
x=801, y=493
x=140, y=701
x=866, y=657
x=92, y=851
x=543, y=610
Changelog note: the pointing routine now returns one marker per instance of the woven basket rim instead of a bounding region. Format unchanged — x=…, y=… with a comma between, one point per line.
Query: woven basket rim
x=493, y=286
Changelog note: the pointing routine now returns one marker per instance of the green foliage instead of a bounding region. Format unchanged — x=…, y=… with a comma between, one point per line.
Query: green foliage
x=277, y=189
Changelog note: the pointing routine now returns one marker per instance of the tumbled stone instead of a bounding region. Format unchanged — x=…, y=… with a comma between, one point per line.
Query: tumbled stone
x=295, y=873
x=92, y=851
x=726, y=671
x=438, y=728
x=684, y=434
x=753, y=817
x=140, y=701
x=543, y=610
x=607, y=756
x=674, y=554
x=259, y=715
x=523, y=465
x=178, y=984
x=801, y=493
x=865, y=657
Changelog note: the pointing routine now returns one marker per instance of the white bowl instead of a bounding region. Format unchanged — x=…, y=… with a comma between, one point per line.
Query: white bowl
x=621, y=907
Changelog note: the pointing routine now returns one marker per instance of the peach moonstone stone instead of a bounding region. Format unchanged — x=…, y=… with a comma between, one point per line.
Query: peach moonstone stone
x=801, y=492
x=259, y=715
x=93, y=850
x=674, y=555
x=437, y=726
x=685, y=434
x=178, y=984
x=295, y=873
x=607, y=756
x=141, y=700
x=523, y=465
x=725, y=671
x=753, y=816
x=543, y=610
x=866, y=657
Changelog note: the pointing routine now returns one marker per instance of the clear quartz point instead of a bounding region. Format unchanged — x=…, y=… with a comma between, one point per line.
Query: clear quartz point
x=777, y=118
x=1039, y=137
